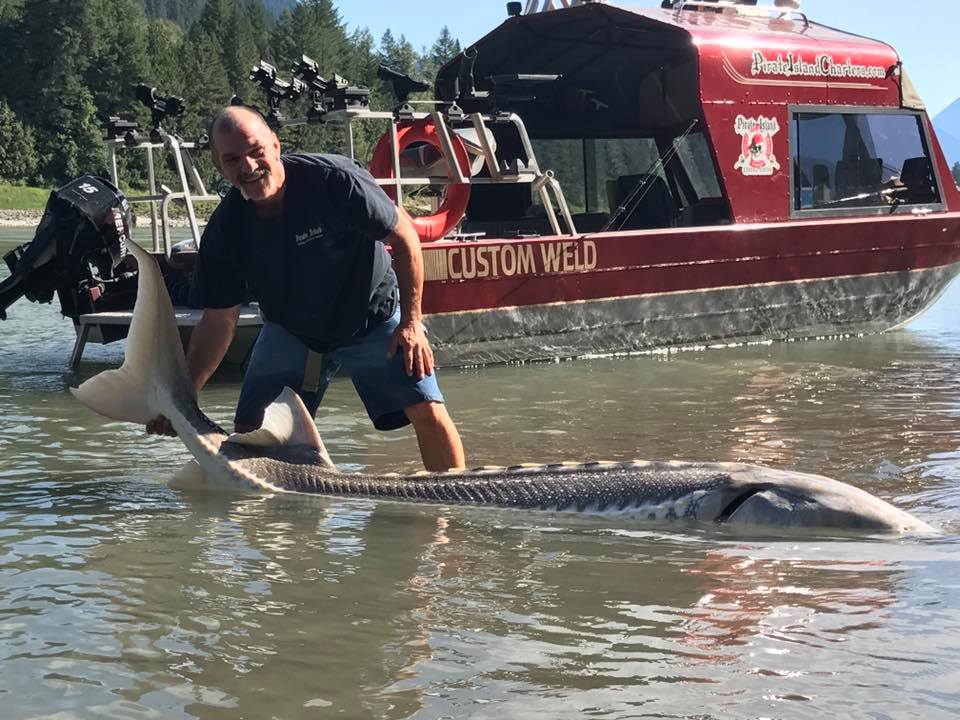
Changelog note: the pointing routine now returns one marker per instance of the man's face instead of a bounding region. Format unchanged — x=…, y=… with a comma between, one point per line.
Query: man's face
x=248, y=155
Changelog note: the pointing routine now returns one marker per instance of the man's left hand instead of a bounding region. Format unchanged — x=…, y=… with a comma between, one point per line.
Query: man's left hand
x=417, y=355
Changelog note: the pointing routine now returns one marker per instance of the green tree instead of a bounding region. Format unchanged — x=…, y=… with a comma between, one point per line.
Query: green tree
x=278, y=7
x=115, y=52
x=240, y=51
x=398, y=54
x=444, y=49
x=204, y=82
x=362, y=58
x=363, y=64
x=50, y=50
x=956, y=173
x=261, y=24
x=181, y=12
x=70, y=143
x=164, y=44
x=226, y=23
x=18, y=158
x=9, y=22
x=9, y=9
x=313, y=28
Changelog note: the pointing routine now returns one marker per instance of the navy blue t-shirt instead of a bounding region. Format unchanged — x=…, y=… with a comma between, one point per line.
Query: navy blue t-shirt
x=320, y=269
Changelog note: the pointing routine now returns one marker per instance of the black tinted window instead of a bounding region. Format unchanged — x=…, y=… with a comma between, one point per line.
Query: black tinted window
x=586, y=168
x=694, y=153
x=859, y=160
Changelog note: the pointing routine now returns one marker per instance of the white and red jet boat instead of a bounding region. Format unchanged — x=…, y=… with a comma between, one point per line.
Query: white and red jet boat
x=737, y=173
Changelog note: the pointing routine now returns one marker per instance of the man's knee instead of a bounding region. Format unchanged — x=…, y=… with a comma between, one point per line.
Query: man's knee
x=427, y=413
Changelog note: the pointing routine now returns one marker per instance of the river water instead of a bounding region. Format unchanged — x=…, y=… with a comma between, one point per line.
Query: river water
x=122, y=596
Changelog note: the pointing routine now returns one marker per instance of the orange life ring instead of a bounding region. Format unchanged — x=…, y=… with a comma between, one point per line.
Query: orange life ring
x=455, y=196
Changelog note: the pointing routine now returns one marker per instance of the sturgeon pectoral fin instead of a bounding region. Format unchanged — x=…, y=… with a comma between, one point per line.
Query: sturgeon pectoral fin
x=285, y=422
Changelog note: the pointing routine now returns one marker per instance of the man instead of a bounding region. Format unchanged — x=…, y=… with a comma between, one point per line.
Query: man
x=305, y=234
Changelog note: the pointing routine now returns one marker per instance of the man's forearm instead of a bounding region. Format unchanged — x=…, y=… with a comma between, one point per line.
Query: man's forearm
x=209, y=343
x=408, y=264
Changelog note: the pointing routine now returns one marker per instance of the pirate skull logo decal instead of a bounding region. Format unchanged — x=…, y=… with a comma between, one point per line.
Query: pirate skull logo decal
x=756, y=146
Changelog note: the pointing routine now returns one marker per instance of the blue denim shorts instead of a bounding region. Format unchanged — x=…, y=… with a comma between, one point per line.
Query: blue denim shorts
x=279, y=359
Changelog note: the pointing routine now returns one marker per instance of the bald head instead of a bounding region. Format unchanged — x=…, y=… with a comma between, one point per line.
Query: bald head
x=247, y=153
x=235, y=118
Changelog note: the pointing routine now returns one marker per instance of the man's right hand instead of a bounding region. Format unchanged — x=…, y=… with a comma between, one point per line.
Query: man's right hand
x=160, y=426
x=208, y=344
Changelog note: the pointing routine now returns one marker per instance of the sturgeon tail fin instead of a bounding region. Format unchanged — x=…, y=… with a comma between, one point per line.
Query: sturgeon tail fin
x=154, y=366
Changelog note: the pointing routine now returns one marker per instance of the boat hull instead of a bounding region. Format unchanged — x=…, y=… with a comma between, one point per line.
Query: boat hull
x=628, y=292
x=848, y=305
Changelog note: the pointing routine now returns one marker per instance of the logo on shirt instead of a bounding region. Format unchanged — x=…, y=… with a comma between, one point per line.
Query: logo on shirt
x=308, y=235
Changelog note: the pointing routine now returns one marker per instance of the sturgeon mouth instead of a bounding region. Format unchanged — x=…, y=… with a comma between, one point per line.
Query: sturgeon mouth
x=739, y=501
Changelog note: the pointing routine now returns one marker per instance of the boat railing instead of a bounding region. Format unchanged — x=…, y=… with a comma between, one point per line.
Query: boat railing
x=159, y=197
x=123, y=136
x=536, y=6
x=782, y=8
x=544, y=183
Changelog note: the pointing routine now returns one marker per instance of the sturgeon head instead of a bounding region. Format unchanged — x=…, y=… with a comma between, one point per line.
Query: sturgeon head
x=287, y=455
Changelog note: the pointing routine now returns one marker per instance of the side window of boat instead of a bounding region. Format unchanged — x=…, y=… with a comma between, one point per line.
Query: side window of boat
x=703, y=200
x=631, y=186
x=610, y=179
x=694, y=152
x=860, y=162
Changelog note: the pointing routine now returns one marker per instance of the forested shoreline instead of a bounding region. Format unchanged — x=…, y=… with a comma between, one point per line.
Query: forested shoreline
x=70, y=64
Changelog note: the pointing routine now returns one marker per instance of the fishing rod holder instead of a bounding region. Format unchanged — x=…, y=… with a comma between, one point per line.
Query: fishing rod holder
x=307, y=71
x=325, y=95
x=334, y=101
x=277, y=91
x=403, y=86
x=160, y=107
x=118, y=127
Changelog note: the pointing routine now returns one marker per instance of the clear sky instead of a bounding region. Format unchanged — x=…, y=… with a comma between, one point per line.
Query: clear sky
x=925, y=32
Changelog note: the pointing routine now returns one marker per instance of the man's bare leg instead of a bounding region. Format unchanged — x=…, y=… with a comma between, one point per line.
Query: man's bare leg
x=440, y=445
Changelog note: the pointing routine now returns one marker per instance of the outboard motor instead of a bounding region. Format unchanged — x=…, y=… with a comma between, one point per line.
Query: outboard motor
x=78, y=251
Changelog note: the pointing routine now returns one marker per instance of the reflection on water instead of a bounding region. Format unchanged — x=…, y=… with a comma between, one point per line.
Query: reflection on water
x=123, y=597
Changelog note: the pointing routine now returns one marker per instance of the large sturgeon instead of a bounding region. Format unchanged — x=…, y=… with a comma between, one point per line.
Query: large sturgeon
x=287, y=455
